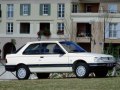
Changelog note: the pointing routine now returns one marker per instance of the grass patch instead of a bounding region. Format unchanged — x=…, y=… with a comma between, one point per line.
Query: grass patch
x=63, y=84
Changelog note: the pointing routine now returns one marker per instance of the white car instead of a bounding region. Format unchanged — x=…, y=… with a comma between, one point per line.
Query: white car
x=45, y=57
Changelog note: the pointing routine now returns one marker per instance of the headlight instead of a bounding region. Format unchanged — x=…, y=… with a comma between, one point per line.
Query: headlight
x=103, y=59
x=98, y=59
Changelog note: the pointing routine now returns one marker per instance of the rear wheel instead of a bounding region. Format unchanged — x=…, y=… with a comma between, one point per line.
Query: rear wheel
x=22, y=72
x=43, y=75
x=81, y=70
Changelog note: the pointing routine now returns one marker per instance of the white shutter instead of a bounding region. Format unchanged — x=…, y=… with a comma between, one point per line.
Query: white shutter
x=118, y=30
x=106, y=30
x=31, y=28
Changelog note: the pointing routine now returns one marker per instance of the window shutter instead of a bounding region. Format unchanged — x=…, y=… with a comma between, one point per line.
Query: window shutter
x=106, y=30
x=41, y=9
x=118, y=30
x=21, y=9
x=29, y=9
x=49, y=9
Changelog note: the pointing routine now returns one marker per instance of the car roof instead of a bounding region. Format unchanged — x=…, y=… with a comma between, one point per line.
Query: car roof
x=43, y=42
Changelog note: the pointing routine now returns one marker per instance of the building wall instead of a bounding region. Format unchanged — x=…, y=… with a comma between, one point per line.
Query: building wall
x=99, y=22
x=34, y=19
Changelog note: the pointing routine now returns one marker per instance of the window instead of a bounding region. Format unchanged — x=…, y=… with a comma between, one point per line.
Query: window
x=61, y=10
x=72, y=47
x=60, y=28
x=112, y=8
x=25, y=9
x=113, y=30
x=9, y=28
x=32, y=49
x=74, y=8
x=45, y=9
x=51, y=48
x=24, y=28
x=10, y=8
x=88, y=8
x=43, y=48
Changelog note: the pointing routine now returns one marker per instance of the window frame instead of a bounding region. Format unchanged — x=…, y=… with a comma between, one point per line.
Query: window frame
x=113, y=30
x=61, y=10
x=25, y=9
x=60, y=28
x=10, y=10
x=27, y=31
x=74, y=8
x=111, y=9
x=45, y=9
x=9, y=29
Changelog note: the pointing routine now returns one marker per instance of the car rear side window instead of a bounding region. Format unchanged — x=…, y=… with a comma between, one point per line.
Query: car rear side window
x=32, y=49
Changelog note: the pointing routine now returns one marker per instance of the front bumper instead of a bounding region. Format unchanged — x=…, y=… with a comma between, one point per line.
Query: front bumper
x=105, y=65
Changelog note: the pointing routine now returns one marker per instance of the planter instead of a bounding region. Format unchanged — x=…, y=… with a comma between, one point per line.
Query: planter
x=60, y=32
x=46, y=33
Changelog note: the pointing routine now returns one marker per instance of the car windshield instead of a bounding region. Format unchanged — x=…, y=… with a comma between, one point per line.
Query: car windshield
x=72, y=47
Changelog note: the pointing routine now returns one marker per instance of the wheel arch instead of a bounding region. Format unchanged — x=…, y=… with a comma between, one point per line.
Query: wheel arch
x=76, y=62
x=20, y=65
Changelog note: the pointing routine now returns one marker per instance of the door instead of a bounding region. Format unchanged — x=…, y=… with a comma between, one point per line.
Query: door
x=53, y=58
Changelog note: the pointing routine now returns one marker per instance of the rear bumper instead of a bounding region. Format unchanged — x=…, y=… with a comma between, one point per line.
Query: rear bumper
x=10, y=68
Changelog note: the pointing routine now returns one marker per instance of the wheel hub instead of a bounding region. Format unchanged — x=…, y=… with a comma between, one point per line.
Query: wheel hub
x=21, y=73
x=81, y=71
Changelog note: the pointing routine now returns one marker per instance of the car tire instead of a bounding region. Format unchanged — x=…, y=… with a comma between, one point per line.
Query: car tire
x=43, y=75
x=81, y=70
x=22, y=72
x=101, y=72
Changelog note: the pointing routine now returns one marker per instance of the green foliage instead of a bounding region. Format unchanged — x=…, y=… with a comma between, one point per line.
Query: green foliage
x=112, y=50
x=46, y=32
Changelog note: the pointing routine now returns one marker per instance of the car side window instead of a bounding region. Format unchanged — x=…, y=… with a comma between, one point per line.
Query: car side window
x=32, y=49
x=51, y=48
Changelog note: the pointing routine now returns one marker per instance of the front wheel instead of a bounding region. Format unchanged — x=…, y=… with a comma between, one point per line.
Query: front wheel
x=22, y=72
x=81, y=70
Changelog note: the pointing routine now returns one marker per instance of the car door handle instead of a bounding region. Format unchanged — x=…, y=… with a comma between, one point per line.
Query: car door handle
x=41, y=57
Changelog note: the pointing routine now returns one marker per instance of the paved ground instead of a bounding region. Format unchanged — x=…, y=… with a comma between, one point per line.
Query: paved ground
x=5, y=75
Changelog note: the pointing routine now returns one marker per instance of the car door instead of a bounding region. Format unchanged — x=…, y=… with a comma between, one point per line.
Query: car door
x=53, y=58
x=31, y=57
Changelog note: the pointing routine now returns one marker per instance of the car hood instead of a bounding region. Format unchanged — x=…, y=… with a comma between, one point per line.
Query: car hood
x=87, y=54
